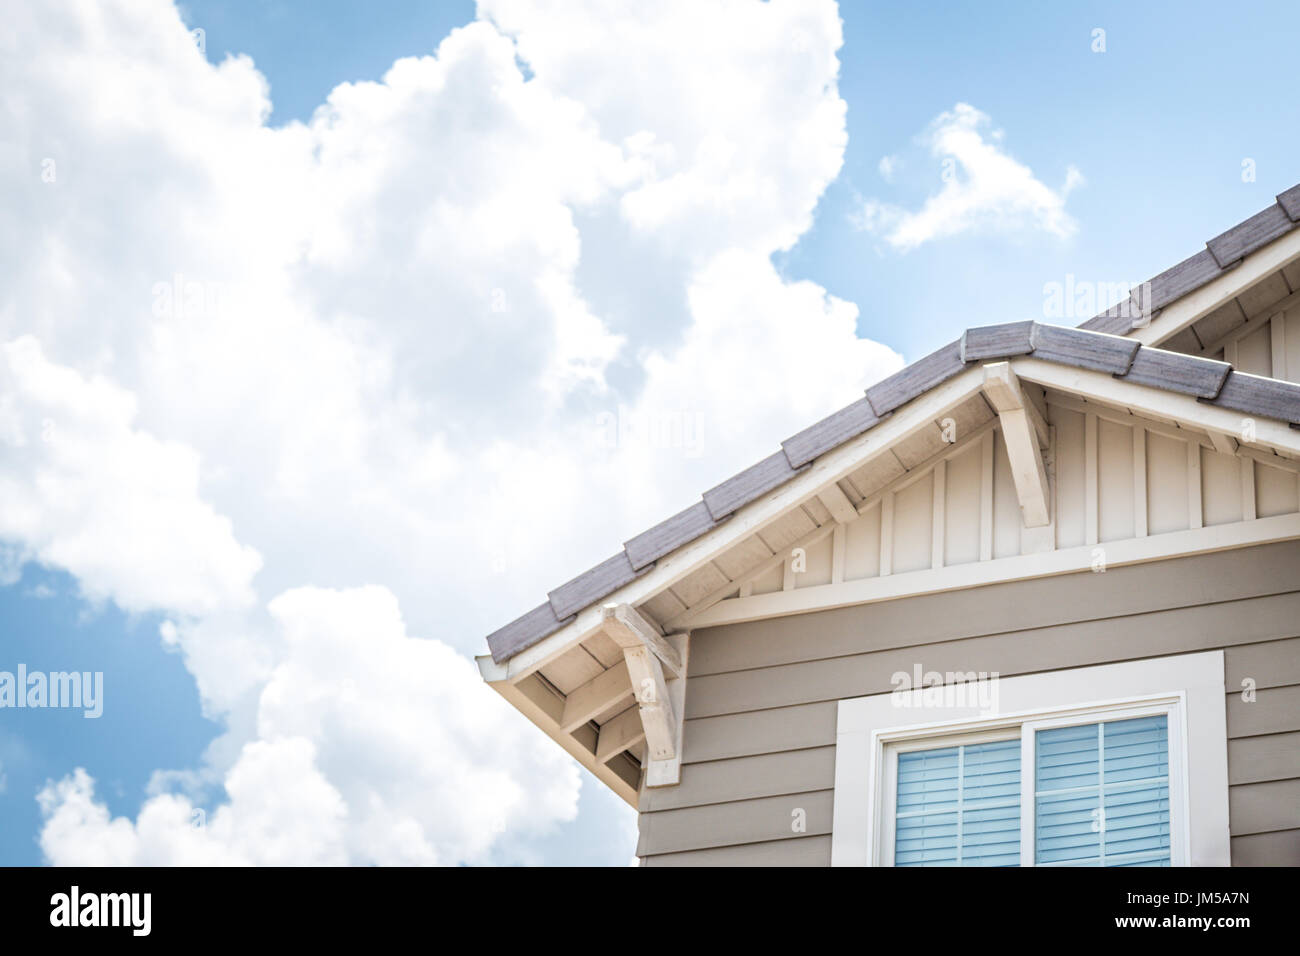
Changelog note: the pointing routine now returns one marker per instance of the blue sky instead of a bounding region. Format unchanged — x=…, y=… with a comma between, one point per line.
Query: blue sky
x=1149, y=122
x=151, y=715
x=1151, y=134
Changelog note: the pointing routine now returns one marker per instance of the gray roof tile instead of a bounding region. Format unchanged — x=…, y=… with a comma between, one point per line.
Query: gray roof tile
x=753, y=482
x=1256, y=395
x=1187, y=276
x=997, y=341
x=588, y=587
x=523, y=632
x=1085, y=349
x=918, y=378
x=666, y=536
x=1245, y=237
x=1290, y=201
x=1177, y=372
x=834, y=429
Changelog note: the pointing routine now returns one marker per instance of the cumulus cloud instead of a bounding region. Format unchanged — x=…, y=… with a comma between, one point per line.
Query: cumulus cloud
x=362, y=363
x=370, y=747
x=728, y=111
x=84, y=490
x=985, y=189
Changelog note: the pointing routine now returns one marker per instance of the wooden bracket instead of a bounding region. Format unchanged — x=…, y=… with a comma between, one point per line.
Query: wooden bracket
x=1025, y=432
x=1224, y=444
x=629, y=629
x=838, y=504
x=651, y=660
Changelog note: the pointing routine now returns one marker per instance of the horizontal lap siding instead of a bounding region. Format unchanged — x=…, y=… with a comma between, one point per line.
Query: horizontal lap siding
x=761, y=699
x=810, y=851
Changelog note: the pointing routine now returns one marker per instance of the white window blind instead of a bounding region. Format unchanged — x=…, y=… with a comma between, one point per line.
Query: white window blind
x=1102, y=794
x=959, y=806
x=1100, y=798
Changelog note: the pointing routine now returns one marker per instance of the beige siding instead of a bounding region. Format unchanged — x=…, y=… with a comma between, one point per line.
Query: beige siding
x=761, y=699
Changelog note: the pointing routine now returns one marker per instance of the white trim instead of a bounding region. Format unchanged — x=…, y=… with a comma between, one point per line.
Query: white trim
x=1189, y=687
x=986, y=496
x=1195, y=510
x=1156, y=547
x=1277, y=337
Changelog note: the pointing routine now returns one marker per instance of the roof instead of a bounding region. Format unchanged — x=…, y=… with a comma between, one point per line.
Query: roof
x=1220, y=254
x=1095, y=346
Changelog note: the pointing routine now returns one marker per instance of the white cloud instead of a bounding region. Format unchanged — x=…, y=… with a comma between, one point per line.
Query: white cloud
x=984, y=189
x=888, y=166
x=728, y=111
x=84, y=490
x=407, y=318
x=371, y=747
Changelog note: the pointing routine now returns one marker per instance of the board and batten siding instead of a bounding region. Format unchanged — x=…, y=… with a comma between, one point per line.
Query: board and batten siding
x=1113, y=477
x=759, y=736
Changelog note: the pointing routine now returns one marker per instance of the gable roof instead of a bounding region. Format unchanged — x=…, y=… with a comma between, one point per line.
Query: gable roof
x=1220, y=254
x=1093, y=346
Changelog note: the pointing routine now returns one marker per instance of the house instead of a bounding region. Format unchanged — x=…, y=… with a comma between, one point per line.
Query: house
x=1032, y=600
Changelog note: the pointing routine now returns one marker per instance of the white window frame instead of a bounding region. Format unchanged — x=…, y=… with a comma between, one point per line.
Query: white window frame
x=1188, y=688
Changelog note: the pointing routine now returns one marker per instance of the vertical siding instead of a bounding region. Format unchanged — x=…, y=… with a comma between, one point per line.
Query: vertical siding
x=758, y=771
x=1103, y=493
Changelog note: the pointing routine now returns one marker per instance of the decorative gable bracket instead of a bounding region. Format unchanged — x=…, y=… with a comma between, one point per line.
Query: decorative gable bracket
x=1025, y=431
x=652, y=661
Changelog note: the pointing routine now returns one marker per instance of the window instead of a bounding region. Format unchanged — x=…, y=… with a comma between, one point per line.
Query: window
x=1098, y=795
x=1101, y=794
x=958, y=806
x=1097, y=766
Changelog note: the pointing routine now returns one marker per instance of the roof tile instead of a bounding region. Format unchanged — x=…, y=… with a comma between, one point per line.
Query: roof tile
x=997, y=341
x=1245, y=237
x=753, y=482
x=593, y=584
x=1098, y=351
x=1256, y=395
x=523, y=632
x=1290, y=201
x=919, y=377
x=1180, y=373
x=1189, y=275
x=686, y=525
x=833, y=430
